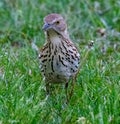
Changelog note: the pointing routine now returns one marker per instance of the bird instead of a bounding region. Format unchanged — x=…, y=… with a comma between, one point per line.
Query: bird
x=59, y=57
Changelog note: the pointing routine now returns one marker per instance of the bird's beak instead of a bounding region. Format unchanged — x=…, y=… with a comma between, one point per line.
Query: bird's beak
x=46, y=27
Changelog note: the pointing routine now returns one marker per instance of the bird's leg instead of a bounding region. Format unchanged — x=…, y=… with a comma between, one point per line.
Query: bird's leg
x=73, y=84
x=47, y=88
x=66, y=90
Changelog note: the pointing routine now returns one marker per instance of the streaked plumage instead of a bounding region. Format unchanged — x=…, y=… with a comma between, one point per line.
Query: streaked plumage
x=59, y=58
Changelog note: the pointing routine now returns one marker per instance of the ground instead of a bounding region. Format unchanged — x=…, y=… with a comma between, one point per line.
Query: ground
x=96, y=98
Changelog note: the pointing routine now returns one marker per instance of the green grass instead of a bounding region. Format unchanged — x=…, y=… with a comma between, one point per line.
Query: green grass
x=96, y=98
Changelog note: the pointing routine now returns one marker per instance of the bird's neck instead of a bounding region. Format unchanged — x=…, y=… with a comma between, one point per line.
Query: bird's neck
x=55, y=38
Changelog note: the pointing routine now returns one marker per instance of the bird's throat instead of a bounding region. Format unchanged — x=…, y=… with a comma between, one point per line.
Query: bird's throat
x=53, y=37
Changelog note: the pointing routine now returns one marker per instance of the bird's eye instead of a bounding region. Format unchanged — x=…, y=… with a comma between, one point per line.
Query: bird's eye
x=57, y=22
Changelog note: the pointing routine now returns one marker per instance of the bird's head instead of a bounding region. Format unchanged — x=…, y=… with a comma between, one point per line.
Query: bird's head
x=54, y=22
